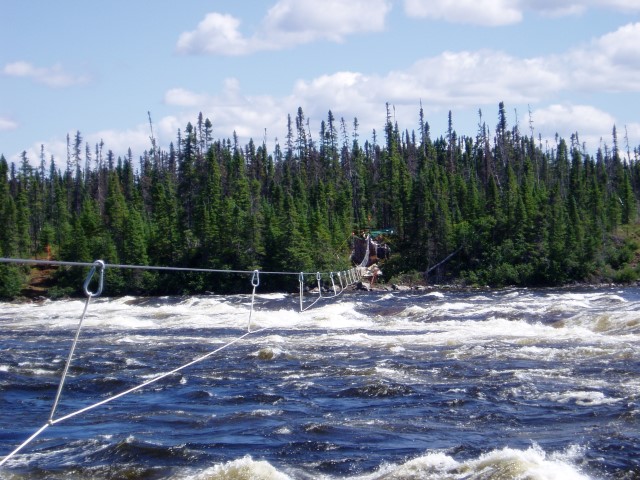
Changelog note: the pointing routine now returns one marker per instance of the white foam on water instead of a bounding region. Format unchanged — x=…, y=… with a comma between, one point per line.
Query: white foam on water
x=244, y=468
x=338, y=315
x=455, y=306
x=272, y=296
x=581, y=398
x=434, y=295
x=275, y=319
x=609, y=322
x=508, y=463
x=413, y=311
x=263, y=412
x=386, y=296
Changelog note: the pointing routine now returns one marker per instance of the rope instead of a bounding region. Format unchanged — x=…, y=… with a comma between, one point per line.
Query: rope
x=99, y=267
x=89, y=295
x=255, y=282
x=318, y=278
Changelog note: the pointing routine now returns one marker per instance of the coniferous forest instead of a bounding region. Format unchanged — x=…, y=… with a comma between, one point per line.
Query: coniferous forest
x=502, y=207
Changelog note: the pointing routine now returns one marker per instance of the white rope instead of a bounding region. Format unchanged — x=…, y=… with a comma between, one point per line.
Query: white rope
x=318, y=278
x=25, y=443
x=89, y=295
x=255, y=281
x=334, y=286
x=350, y=278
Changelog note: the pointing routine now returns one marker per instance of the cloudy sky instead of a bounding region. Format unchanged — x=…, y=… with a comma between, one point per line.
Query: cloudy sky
x=560, y=66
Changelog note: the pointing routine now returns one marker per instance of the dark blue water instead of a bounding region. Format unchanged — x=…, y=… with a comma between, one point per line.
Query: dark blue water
x=455, y=385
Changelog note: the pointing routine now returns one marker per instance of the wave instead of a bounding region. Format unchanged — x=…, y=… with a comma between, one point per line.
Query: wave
x=507, y=463
x=504, y=464
x=241, y=469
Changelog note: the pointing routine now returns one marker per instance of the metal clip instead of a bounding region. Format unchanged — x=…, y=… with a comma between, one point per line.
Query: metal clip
x=255, y=278
x=97, y=264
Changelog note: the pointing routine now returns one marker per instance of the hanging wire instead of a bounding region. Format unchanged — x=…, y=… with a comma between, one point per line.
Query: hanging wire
x=99, y=267
x=98, y=264
x=57, y=263
x=89, y=295
x=255, y=282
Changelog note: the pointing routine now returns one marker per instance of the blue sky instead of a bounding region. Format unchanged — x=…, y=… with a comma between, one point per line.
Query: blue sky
x=72, y=65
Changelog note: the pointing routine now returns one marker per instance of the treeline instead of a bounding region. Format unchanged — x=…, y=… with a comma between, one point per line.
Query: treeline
x=513, y=211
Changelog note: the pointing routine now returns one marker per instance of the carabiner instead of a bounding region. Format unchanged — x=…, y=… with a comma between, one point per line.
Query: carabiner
x=255, y=278
x=97, y=264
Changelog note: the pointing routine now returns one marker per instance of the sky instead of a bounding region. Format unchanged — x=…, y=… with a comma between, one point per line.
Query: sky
x=101, y=68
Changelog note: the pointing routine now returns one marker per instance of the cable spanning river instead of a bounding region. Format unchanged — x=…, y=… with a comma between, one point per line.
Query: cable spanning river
x=509, y=384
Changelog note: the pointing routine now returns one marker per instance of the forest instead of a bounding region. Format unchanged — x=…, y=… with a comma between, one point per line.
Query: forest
x=502, y=207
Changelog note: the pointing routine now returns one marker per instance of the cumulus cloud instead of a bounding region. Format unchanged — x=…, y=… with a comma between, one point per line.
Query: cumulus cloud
x=217, y=33
x=286, y=24
x=305, y=21
x=230, y=111
x=462, y=81
x=590, y=122
x=473, y=78
x=609, y=63
x=493, y=13
x=478, y=12
x=119, y=141
x=54, y=76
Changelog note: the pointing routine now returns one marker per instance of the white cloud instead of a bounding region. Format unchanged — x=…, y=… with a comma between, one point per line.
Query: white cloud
x=119, y=141
x=556, y=8
x=229, y=111
x=217, y=33
x=54, y=76
x=462, y=81
x=610, y=63
x=473, y=78
x=450, y=80
x=307, y=20
x=477, y=12
x=6, y=124
x=492, y=13
x=288, y=23
x=591, y=124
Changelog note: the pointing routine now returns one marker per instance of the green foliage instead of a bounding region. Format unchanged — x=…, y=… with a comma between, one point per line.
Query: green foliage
x=11, y=281
x=485, y=210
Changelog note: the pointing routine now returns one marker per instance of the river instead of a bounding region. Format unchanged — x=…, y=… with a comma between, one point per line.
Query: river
x=438, y=384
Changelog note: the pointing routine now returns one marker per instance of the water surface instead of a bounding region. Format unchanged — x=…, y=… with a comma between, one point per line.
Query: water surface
x=439, y=385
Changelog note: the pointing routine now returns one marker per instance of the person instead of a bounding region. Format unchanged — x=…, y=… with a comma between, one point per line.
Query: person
x=375, y=270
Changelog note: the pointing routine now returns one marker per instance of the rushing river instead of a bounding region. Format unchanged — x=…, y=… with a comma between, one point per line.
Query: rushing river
x=531, y=384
